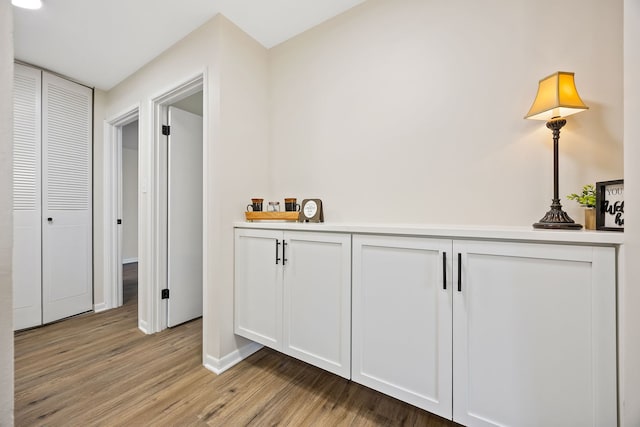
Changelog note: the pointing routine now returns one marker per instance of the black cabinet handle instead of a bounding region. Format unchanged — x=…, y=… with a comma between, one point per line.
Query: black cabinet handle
x=459, y=272
x=444, y=270
x=277, y=251
x=284, y=246
x=50, y=219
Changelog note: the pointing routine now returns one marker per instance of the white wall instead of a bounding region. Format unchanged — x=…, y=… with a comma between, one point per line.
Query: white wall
x=412, y=110
x=236, y=141
x=243, y=146
x=129, y=205
x=6, y=219
x=130, y=192
x=629, y=295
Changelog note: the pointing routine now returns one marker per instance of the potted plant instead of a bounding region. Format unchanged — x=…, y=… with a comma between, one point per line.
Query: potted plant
x=588, y=200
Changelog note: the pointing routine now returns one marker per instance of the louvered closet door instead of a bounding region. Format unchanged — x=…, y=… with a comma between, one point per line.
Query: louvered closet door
x=66, y=220
x=27, y=299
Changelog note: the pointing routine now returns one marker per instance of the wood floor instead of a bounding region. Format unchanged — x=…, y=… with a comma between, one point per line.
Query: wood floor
x=99, y=369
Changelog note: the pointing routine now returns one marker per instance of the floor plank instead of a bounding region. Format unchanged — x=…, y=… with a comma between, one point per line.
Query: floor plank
x=100, y=370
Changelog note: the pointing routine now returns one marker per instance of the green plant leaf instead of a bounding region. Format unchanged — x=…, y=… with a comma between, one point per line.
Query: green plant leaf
x=587, y=198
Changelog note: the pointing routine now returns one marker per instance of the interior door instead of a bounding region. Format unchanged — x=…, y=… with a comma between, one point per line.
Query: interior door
x=27, y=273
x=184, y=234
x=67, y=287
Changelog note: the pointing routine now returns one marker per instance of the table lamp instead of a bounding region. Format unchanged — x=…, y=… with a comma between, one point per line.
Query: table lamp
x=557, y=98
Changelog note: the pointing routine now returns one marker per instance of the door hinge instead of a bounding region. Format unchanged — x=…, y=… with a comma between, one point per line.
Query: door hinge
x=118, y=221
x=166, y=130
x=165, y=294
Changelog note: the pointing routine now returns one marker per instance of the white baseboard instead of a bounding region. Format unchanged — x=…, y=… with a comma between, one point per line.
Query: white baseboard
x=129, y=260
x=97, y=308
x=142, y=325
x=218, y=366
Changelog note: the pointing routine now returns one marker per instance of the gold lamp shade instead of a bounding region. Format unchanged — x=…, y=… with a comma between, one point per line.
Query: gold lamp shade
x=557, y=97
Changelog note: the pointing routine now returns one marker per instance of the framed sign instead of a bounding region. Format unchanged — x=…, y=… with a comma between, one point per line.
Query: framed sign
x=311, y=211
x=610, y=205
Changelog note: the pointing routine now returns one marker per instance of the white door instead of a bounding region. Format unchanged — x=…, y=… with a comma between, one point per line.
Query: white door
x=66, y=221
x=402, y=290
x=317, y=299
x=184, y=239
x=534, y=335
x=258, y=286
x=27, y=238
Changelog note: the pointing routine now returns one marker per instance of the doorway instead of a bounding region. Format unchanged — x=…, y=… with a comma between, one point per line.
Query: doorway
x=178, y=206
x=121, y=165
x=129, y=214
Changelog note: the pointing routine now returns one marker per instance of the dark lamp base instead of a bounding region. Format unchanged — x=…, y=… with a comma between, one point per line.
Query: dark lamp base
x=557, y=225
x=557, y=219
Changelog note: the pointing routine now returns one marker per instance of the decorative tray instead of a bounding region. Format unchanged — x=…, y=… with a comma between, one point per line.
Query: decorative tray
x=266, y=216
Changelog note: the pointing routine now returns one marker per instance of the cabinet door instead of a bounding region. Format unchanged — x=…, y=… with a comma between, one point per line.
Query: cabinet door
x=402, y=319
x=534, y=335
x=258, y=286
x=317, y=299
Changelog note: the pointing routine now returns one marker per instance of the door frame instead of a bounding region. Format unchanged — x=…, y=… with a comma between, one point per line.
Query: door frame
x=157, y=244
x=112, y=202
x=152, y=219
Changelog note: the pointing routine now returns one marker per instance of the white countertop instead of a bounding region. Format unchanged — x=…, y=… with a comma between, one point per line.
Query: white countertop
x=450, y=231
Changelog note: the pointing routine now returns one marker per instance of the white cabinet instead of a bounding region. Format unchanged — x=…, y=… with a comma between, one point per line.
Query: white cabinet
x=402, y=319
x=530, y=329
x=480, y=331
x=534, y=335
x=293, y=294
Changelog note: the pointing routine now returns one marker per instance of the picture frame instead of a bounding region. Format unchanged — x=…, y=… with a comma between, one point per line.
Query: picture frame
x=610, y=205
x=311, y=211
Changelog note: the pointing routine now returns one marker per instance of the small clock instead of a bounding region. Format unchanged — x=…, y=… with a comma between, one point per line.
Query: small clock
x=311, y=211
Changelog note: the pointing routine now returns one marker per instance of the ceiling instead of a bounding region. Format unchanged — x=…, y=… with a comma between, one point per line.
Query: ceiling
x=101, y=42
